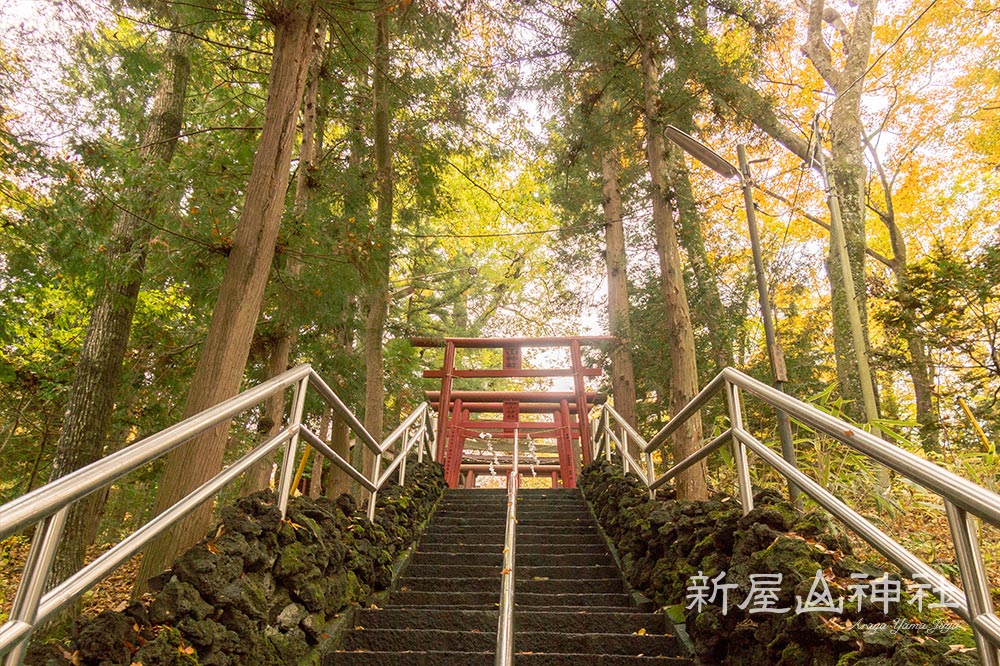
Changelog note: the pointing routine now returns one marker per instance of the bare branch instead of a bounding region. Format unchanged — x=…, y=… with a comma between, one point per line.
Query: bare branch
x=815, y=47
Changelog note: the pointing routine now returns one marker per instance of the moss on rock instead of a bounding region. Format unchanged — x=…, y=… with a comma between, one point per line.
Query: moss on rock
x=663, y=543
x=259, y=590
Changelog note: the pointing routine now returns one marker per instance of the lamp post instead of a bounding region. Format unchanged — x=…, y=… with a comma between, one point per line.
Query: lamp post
x=779, y=374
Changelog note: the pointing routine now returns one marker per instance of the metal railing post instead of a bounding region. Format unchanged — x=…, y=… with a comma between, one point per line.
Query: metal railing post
x=650, y=474
x=739, y=450
x=288, y=459
x=404, y=449
x=431, y=434
x=974, y=580
x=373, y=497
x=41, y=555
x=505, y=624
x=421, y=438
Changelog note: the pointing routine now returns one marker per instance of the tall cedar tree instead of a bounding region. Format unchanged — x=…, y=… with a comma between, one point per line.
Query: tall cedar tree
x=378, y=276
x=227, y=345
x=99, y=366
x=691, y=483
x=619, y=322
x=283, y=341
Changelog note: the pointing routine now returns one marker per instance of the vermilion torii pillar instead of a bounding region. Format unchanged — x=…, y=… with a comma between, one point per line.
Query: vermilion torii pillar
x=455, y=406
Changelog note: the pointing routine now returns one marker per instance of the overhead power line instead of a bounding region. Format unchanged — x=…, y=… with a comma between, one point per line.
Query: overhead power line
x=555, y=230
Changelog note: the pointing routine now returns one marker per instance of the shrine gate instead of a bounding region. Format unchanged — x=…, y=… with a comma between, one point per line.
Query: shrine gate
x=465, y=414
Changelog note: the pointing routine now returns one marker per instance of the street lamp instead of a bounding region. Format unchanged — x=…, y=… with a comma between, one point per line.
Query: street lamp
x=726, y=169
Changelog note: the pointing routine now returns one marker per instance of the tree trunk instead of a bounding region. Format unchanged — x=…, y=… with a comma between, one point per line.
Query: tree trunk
x=919, y=364
x=378, y=309
x=258, y=477
x=706, y=284
x=316, y=475
x=337, y=481
x=847, y=167
x=99, y=366
x=227, y=345
x=281, y=352
x=377, y=299
x=691, y=483
x=619, y=322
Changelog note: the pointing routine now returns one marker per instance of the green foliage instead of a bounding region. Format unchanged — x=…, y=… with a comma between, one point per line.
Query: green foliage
x=954, y=299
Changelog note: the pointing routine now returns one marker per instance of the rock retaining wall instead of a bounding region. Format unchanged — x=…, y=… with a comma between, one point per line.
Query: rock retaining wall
x=663, y=543
x=259, y=590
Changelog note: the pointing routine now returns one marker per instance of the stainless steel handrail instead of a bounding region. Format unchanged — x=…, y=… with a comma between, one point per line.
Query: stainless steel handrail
x=46, y=500
x=505, y=623
x=48, y=506
x=964, y=501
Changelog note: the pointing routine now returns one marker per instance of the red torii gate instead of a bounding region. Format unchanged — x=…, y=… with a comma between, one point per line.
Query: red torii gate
x=455, y=407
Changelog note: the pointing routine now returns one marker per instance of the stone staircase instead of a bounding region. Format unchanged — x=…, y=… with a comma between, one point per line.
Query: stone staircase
x=571, y=603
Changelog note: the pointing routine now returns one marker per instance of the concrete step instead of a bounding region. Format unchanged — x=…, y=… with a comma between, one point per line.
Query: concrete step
x=576, y=659
x=486, y=658
x=446, y=658
x=474, y=534
x=547, y=512
x=535, y=600
x=468, y=512
x=541, y=512
x=526, y=518
x=457, y=559
x=458, y=584
x=563, y=559
x=529, y=559
x=590, y=622
x=489, y=599
x=572, y=571
x=467, y=519
x=560, y=548
x=409, y=640
x=543, y=530
x=466, y=527
x=478, y=606
x=598, y=643
x=569, y=586
x=475, y=550
x=527, y=620
x=392, y=617
x=453, y=547
x=523, y=585
x=418, y=570
x=589, y=537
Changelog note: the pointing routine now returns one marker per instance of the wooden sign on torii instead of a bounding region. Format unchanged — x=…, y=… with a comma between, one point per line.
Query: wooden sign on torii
x=569, y=424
